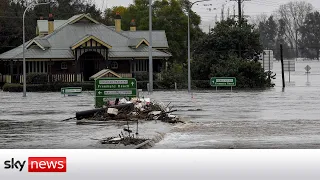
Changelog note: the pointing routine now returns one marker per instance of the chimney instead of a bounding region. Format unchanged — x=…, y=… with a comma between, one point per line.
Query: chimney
x=117, y=21
x=50, y=24
x=133, y=25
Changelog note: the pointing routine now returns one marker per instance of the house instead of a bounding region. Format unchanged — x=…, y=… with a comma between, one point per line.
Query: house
x=75, y=49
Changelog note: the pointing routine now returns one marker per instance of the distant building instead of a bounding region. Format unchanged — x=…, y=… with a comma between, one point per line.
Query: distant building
x=73, y=50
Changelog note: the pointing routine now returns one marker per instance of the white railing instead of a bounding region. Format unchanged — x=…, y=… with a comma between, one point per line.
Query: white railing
x=65, y=77
x=55, y=77
x=125, y=75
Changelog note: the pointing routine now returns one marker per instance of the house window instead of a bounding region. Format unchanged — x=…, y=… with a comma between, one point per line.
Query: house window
x=64, y=65
x=114, y=65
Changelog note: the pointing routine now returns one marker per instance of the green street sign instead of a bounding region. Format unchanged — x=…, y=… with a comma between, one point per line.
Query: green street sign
x=71, y=90
x=116, y=83
x=106, y=88
x=116, y=92
x=223, y=81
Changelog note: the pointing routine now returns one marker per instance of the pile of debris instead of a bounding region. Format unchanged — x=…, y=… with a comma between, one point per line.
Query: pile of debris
x=136, y=109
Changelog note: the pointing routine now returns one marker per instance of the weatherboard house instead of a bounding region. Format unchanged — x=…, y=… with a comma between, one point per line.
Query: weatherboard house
x=75, y=49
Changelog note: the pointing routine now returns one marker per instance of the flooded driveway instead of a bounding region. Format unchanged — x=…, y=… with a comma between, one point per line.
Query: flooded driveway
x=273, y=118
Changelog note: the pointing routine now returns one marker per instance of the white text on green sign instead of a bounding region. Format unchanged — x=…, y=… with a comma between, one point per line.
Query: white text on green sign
x=223, y=81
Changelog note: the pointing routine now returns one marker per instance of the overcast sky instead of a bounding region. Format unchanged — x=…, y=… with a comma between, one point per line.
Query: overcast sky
x=207, y=9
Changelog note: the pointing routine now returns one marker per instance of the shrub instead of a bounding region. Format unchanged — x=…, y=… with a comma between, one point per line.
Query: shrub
x=175, y=74
x=141, y=76
x=37, y=78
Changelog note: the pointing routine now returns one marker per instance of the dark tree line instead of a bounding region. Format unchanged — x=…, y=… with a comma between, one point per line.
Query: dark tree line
x=296, y=26
x=11, y=12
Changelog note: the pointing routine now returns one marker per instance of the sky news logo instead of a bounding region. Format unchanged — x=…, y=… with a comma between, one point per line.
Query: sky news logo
x=38, y=164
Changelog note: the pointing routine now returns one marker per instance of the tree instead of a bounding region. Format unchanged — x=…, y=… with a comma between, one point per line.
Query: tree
x=256, y=20
x=11, y=12
x=293, y=15
x=268, y=33
x=216, y=55
x=168, y=15
x=281, y=39
x=310, y=35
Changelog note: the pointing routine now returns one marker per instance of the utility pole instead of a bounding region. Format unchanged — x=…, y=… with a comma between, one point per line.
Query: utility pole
x=189, y=53
x=240, y=12
x=239, y=21
x=222, y=13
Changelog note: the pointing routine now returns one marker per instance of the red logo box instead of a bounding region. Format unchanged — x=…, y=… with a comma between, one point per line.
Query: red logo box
x=47, y=164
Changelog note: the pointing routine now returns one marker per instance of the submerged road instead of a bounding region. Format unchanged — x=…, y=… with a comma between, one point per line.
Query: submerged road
x=270, y=118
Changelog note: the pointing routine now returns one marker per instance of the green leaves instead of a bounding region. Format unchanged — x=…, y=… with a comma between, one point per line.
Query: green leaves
x=310, y=35
x=168, y=15
x=217, y=55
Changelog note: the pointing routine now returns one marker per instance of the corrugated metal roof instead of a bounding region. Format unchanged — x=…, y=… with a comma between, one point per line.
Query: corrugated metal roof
x=159, y=38
x=43, y=42
x=142, y=52
x=47, y=54
x=134, y=42
x=13, y=52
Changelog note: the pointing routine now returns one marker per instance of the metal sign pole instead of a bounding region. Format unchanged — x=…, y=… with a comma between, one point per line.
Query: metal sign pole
x=263, y=60
x=269, y=64
x=289, y=70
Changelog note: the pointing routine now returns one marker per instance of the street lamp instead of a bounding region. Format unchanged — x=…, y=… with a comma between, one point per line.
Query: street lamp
x=24, y=41
x=150, y=49
x=189, y=71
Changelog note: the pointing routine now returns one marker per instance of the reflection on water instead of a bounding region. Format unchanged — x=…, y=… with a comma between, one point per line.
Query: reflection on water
x=273, y=118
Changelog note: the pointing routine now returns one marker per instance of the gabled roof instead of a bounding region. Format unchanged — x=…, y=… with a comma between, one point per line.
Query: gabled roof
x=141, y=52
x=104, y=72
x=88, y=38
x=35, y=42
x=136, y=42
x=82, y=16
x=159, y=38
x=41, y=43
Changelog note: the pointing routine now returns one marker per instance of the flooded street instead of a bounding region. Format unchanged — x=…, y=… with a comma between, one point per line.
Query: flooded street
x=272, y=118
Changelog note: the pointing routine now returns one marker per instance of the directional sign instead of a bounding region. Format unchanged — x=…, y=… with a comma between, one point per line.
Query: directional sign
x=223, y=81
x=307, y=68
x=114, y=88
x=71, y=90
x=266, y=60
x=289, y=65
x=116, y=93
x=120, y=83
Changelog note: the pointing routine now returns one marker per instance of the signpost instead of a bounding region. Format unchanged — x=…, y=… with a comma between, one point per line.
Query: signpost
x=223, y=82
x=71, y=91
x=114, y=88
x=266, y=60
x=289, y=65
x=307, y=68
